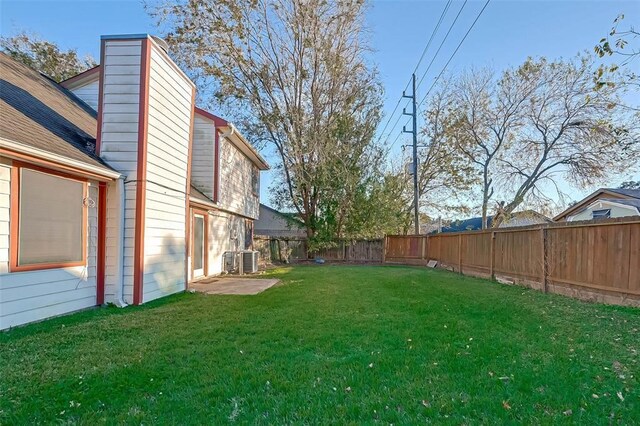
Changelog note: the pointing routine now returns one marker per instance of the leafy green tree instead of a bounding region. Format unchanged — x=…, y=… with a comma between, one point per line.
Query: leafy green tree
x=45, y=56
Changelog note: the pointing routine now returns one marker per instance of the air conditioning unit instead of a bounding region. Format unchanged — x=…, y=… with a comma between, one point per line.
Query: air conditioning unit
x=229, y=261
x=249, y=262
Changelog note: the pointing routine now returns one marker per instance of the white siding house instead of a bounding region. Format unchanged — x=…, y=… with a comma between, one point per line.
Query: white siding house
x=170, y=110
x=52, y=187
x=225, y=179
x=137, y=169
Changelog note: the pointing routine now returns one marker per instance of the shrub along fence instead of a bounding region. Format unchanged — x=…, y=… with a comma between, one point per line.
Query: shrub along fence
x=588, y=260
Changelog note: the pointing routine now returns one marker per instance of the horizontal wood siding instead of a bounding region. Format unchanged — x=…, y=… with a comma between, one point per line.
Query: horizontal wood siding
x=119, y=148
x=168, y=136
x=202, y=160
x=226, y=233
x=236, y=193
x=35, y=295
x=88, y=92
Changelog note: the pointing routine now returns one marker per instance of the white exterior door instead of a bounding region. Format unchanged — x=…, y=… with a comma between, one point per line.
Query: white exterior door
x=198, y=245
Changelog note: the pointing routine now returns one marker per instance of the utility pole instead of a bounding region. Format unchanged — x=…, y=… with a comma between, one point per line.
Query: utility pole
x=414, y=131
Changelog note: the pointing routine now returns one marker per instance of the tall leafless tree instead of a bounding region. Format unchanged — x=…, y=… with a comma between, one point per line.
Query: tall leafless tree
x=299, y=68
x=537, y=124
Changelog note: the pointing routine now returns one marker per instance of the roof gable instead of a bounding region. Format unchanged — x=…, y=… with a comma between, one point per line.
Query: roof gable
x=602, y=193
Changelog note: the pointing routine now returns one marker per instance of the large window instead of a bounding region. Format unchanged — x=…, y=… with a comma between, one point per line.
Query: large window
x=51, y=221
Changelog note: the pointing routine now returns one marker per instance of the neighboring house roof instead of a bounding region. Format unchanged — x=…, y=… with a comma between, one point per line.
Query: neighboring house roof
x=523, y=218
x=634, y=193
x=631, y=202
x=611, y=194
x=232, y=133
x=291, y=217
x=276, y=224
x=37, y=112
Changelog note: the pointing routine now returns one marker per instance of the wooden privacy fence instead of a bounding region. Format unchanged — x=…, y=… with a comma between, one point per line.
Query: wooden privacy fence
x=296, y=249
x=588, y=260
x=359, y=251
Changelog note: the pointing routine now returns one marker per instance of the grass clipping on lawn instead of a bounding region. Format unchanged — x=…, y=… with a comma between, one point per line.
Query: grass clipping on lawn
x=331, y=344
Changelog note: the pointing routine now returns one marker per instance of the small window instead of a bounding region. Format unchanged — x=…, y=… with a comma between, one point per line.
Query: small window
x=255, y=180
x=51, y=221
x=601, y=214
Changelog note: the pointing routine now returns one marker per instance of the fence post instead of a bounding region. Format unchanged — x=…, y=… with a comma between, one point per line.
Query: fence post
x=460, y=253
x=492, y=254
x=543, y=237
x=422, y=251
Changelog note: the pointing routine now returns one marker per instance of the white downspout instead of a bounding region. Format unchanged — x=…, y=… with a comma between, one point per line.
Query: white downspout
x=121, y=216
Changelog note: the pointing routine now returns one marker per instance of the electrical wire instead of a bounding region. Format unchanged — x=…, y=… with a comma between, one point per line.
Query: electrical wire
x=454, y=53
x=424, y=52
x=433, y=33
x=442, y=43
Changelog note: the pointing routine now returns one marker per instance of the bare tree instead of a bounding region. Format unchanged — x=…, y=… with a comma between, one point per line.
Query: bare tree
x=485, y=116
x=538, y=124
x=299, y=68
x=570, y=130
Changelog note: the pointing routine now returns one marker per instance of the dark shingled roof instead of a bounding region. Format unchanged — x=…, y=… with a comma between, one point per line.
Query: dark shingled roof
x=635, y=193
x=38, y=112
x=626, y=202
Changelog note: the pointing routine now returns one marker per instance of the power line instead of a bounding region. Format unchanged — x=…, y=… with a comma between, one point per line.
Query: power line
x=433, y=33
x=442, y=42
x=454, y=53
x=424, y=52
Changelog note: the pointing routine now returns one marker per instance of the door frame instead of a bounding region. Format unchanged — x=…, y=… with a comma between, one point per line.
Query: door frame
x=205, y=243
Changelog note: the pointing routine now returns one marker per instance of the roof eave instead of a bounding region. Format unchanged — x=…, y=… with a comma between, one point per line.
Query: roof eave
x=19, y=151
x=232, y=133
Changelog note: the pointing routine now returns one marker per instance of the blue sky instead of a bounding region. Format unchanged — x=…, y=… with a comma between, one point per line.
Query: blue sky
x=506, y=34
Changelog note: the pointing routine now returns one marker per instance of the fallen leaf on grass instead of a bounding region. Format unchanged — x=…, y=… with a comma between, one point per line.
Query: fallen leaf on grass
x=506, y=405
x=426, y=403
x=620, y=396
x=568, y=412
x=348, y=389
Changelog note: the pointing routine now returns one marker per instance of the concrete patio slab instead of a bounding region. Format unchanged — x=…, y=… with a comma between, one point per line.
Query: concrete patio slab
x=232, y=285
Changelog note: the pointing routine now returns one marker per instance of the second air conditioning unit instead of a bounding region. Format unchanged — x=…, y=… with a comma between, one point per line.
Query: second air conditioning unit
x=229, y=261
x=249, y=262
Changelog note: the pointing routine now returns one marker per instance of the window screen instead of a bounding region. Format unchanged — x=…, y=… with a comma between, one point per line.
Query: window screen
x=50, y=219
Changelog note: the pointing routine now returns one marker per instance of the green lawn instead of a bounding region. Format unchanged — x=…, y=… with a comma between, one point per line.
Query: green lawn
x=332, y=344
